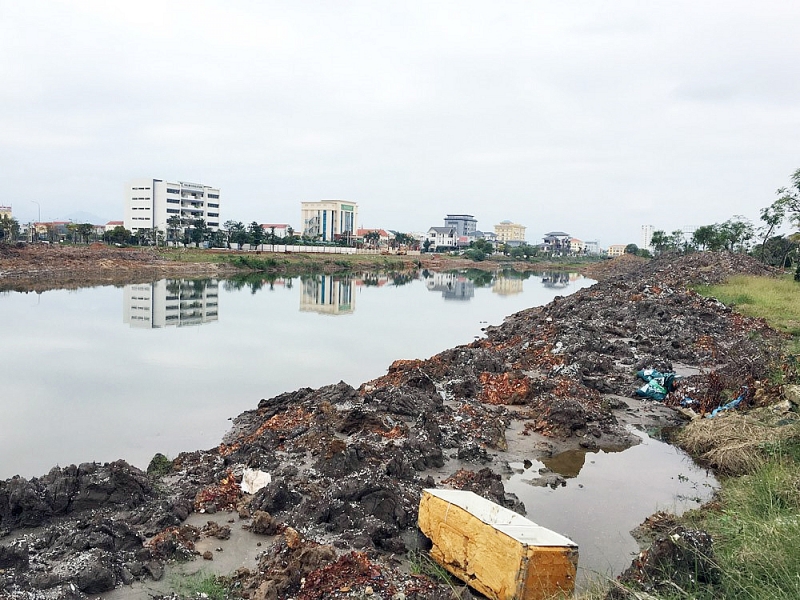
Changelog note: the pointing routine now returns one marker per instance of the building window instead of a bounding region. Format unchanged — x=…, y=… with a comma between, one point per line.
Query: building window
x=213, y=214
x=173, y=201
x=210, y=205
x=214, y=196
x=173, y=210
x=173, y=191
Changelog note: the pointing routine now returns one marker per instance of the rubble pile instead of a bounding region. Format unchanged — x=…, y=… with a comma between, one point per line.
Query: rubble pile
x=347, y=465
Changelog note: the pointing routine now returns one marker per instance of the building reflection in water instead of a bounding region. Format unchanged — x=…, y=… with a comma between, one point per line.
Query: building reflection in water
x=454, y=286
x=327, y=295
x=556, y=279
x=507, y=286
x=171, y=302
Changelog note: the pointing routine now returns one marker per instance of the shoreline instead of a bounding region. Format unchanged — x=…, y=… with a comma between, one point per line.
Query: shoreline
x=347, y=463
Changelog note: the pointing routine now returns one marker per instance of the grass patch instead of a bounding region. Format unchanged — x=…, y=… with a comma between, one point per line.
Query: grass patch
x=777, y=300
x=421, y=563
x=201, y=585
x=757, y=534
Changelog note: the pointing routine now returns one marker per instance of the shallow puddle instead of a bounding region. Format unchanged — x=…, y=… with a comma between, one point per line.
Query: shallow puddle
x=240, y=550
x=607, y=494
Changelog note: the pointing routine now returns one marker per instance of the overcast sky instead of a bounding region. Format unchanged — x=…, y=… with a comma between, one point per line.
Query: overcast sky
x=591, y=117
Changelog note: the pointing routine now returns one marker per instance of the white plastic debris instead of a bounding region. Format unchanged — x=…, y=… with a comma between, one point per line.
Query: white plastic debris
x=253, y=480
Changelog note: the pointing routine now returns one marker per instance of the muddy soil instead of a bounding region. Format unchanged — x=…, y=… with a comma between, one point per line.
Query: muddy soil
x=347, y=464
x=42, y=267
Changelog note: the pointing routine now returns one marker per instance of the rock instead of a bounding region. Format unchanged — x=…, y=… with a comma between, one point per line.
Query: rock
x=96, y=573
x=792, y=394
x=264, y=524
x=14, y=556
x=155, y=569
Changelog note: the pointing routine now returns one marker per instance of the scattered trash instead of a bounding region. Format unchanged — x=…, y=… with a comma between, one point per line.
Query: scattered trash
x=494, y=550
x=253, y=480
x=657, y=385
x=729, y=405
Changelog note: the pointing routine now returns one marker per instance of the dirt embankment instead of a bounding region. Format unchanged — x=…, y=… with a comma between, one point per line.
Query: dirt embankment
x=41, y=267
x=347, y=465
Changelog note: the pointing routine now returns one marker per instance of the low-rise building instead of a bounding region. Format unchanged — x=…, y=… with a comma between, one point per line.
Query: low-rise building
x=442, y=237
x=5, y=211
x=367, y=235
x=616, y=250
x=592, y=247
x=506, y=232
x=556, y=243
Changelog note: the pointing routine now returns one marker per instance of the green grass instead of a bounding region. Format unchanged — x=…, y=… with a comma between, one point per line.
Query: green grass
x=757, y=533
x=775, y=299
x=201, y=585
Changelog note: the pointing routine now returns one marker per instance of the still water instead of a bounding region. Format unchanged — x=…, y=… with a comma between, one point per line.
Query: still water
x=608, y=494
x=102, y=373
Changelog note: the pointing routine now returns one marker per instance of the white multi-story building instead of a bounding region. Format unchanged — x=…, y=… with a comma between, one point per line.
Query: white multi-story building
x=150, y=202
x=327, y=220
x=647, y=236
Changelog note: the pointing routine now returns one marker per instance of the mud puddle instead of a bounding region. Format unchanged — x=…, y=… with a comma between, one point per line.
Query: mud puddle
x=601, y=496
x=240, y=550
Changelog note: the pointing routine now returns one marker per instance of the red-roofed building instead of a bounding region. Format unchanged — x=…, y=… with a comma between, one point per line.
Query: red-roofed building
x=384, y=237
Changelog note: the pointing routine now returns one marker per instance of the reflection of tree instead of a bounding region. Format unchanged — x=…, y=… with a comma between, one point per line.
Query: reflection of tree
x=254, y=281
x=402, y=278
x=370, y=279
x=479, y=277
x=514, y=274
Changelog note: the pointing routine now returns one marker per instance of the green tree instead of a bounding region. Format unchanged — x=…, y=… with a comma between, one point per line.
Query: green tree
x=482, y=245
x=777, y=251
x=9, y=229
x=199, y=231
x=174, y=231
x=735, y=233
x=677, y=241
x=659, y=241
x=256, y=234
x=703, y=237
x=631, y=249
x=118, y=235
x=373, y=238
x=84, y=231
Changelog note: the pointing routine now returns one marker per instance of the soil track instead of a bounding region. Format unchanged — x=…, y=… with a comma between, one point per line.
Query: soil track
x=347, y=465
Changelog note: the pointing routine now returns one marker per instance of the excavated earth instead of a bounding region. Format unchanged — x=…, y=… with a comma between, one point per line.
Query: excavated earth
x=347, y=465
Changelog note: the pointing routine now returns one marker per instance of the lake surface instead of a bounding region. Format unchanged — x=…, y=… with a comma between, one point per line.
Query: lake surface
x=102, y=373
